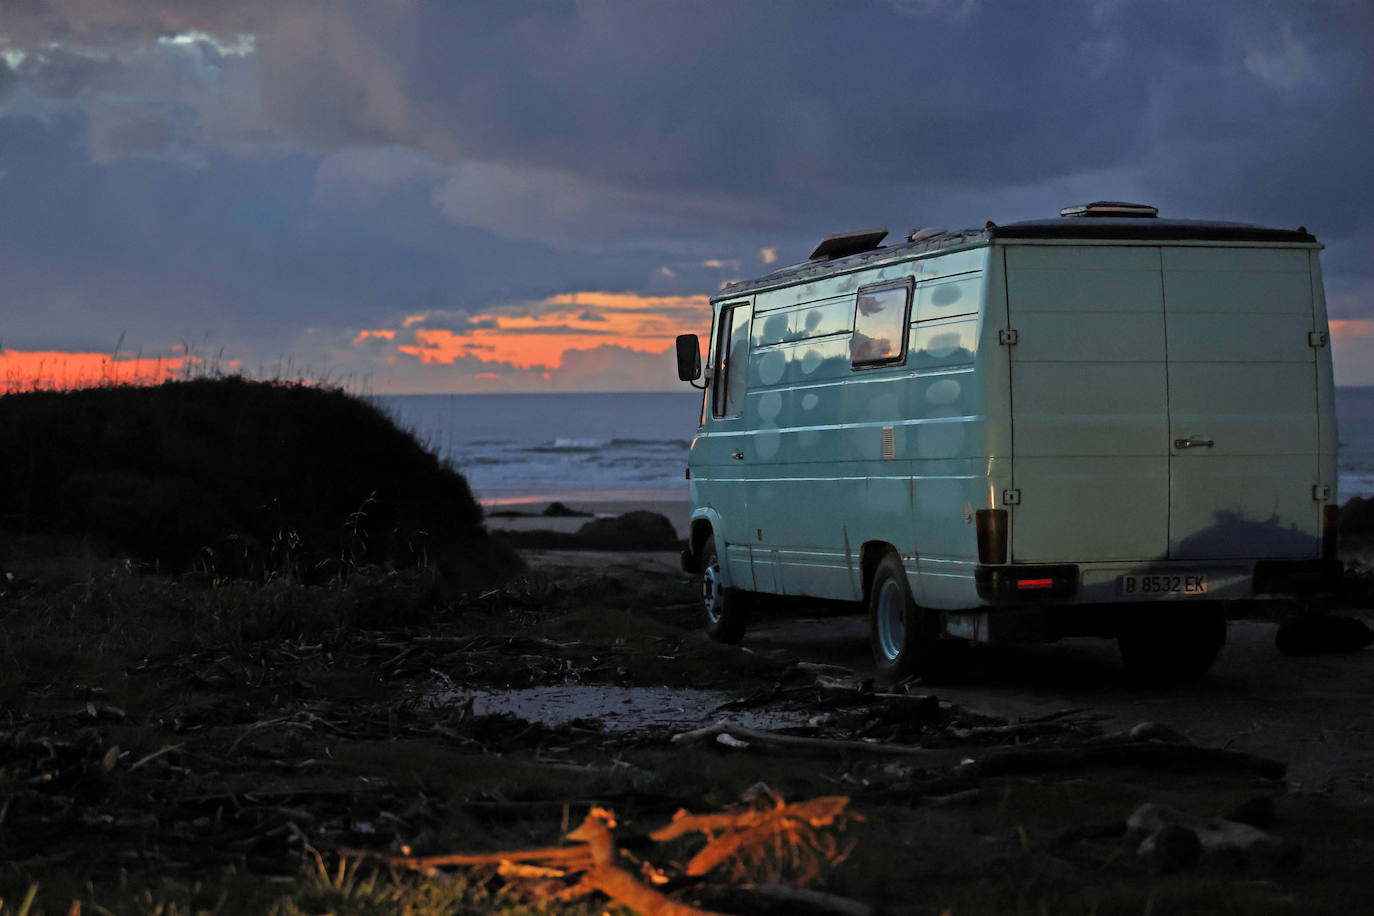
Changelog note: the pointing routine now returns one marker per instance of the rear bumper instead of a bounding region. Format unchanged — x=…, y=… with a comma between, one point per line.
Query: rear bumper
x=1298, y=577
x=1068, y=583
x=1025, y=583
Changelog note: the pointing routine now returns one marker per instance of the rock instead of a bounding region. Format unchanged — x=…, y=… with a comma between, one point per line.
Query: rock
x=1171, y=849
x=1357, y=517
x=1321, y=635
x=559, y=510
x=637, y=530
x=1167, y=845
x=1260, y=811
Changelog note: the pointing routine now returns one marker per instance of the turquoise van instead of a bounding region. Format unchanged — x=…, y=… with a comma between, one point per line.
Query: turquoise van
x=1104, y=424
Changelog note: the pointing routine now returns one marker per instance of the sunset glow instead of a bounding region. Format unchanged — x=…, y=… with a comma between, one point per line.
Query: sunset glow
x=1345, y=330
x=555, y=325
x=54, y=369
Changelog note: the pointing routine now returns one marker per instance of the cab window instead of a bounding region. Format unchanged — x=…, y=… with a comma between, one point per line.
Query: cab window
x=730, y=361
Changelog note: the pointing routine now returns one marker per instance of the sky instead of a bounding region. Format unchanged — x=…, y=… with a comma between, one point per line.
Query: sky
x=496, y=195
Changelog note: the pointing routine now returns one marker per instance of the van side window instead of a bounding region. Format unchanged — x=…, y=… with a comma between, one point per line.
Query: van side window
x=730, y=361
x=881, y=316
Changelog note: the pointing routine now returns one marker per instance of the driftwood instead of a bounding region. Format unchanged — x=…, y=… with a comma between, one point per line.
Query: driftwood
x=606, y=876
x=572, y=857
x=814, y=900
x=750, y=829
x=744, y=737
x=749, y=835
x=1178, y=757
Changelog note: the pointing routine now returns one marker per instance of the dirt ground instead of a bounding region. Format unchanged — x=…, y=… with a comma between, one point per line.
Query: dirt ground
x=165, y=761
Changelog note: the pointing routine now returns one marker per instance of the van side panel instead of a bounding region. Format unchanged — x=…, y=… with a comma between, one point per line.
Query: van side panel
x=1089, y=403
x=822, y=483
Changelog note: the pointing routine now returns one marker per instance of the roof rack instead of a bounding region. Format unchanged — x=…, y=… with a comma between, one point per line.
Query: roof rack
x=1112, y=208
x=847, y=243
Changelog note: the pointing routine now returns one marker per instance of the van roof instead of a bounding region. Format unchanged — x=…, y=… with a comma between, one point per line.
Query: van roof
x=1129, y=229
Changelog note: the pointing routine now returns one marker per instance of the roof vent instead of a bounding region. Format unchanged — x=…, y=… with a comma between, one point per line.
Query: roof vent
x=847, y=243
x=920, y=235
x=1112, y=208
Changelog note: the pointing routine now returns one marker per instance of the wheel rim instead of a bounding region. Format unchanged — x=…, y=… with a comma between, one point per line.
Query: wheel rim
x=710, y=592
x=891, y=619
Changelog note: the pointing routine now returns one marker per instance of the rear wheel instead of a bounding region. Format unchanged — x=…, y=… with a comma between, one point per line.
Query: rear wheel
x=726, y=609
x=1172, y=646
x=903, y=634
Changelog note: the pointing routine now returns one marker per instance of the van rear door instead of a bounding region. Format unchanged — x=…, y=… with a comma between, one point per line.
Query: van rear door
x=1090, y=403
x=1164, y=403
x=1243, y=411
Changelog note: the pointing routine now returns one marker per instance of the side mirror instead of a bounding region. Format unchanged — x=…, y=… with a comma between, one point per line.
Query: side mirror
x=688, y=357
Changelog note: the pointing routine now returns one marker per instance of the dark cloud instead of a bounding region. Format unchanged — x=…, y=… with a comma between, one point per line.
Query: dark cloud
x=8, y=79
x=255, y=171
x=63, y=73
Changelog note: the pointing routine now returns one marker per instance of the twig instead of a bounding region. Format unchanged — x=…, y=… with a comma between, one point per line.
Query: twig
x=818, y=812
x=572, y=856
x=814, y=899
x=1181, y=757
x=829, y=745
x=156, y=754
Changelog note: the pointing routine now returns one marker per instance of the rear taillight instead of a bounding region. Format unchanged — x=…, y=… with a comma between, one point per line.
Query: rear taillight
x=1028, y=584
x=992, y=535
x=1331, y=523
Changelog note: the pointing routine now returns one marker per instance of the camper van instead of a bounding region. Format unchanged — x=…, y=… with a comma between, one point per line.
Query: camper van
x=1105, y=424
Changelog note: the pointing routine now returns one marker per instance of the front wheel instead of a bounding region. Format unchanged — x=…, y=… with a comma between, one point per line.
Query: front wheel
x=726, y=609
x=903, y=634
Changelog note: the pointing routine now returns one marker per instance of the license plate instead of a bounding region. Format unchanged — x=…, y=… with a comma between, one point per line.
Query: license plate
x=1191, y=583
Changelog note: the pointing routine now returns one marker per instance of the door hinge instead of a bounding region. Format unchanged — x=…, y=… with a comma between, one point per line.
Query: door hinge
x=1011, y=497
x=1321, y=492
x=1316, y=339
x=1008, y=337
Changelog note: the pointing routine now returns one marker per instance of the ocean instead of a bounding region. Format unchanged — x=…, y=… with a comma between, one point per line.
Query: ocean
x=532, y=447
x=529, y=447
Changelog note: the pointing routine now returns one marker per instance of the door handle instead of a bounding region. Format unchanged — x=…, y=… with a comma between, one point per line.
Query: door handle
x=1182, y=444
x=737, y=455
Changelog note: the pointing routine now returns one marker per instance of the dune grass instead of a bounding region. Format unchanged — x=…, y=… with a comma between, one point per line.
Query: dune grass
x=236, y=479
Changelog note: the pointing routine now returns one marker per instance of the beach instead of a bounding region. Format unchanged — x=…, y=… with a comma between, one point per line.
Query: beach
x=511, y=510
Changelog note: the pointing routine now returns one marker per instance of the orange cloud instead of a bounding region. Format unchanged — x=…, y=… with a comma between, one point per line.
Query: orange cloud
x=364, y=335
x=1352, y=351
x=522, y=350
x=1348, y=329
x=559, y=324
x=29, y=370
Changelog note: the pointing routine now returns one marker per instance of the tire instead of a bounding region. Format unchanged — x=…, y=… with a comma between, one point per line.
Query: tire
x=1172, y=646
x=727, y=610
x=904, y=636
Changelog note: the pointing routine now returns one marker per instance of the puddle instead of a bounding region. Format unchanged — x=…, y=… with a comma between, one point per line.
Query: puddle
x=618, y=709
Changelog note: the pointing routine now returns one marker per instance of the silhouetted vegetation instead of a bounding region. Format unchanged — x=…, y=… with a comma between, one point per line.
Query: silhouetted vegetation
x=237, y=479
